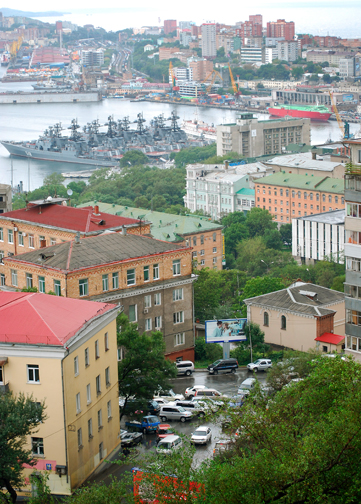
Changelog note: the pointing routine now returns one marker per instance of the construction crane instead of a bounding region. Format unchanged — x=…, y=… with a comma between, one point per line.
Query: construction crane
x=235, y=90
x=15, y=46
x=171, y=73
x=344, y=126
x=214, y=74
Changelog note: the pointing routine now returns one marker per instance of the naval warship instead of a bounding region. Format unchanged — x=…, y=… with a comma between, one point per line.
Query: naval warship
x=91, y=146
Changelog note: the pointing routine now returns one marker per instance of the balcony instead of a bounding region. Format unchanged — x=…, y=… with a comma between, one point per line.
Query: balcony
x=4, y=389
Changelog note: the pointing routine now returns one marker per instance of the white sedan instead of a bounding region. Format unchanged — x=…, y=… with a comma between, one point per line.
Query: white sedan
x=191, y=391
x=201, y=435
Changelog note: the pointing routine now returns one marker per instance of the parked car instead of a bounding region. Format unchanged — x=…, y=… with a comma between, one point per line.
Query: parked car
x=152, y=406
x=129, y=438
x=190, y=391
x=173, y=412
x=185, y=367
x=163, y=431
x=222, y=445
x=160, y=401
x=237, y=400
x=247, y=384
x=168, y=396
x=223, y=366
x=146, y=424
x=209, y=393
x=208, y=403
x=259, y=365
x=169, y=444
x=193, y=406
x=201, y=435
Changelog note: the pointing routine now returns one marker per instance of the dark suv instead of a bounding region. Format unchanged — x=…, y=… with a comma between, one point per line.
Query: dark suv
x=223, y=365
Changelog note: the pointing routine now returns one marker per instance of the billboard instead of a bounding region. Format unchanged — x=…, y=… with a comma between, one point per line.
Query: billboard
x=347, y=97
x=224, y=331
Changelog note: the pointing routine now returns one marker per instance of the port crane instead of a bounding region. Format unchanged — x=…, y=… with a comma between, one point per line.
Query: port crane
x=344, y=126
x=212, y=75
x=234, y=86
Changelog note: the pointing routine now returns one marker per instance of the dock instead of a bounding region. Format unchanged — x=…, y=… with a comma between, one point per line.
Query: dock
x=44, y=97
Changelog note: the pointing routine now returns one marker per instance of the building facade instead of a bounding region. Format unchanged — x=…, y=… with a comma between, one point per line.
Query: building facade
x=209, y=49
x=281, y=28
x=70, y=363
x=252, y=54
x=5, y=198
x=92, y=58
x=287, y=50
x=170, y=25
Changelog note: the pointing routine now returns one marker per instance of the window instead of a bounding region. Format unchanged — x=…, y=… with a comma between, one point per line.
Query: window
x=155, y=271
x=52, y=241
x=29, y=280
x=90, y=428
x=109, y=409
x=120, y=354
x=97, y=355
x=323, y=197
x=214, y=260
x=77, y=401
x=37, y=446
x=157, y=299
x=283, y=322
x=21, y=239
x=100, y=419
x=57, y=287
x=146, y=273
x=202, y=252
x=158, y=322
x=10, y=236
x=214, y=250
x=33, y=373
x=115, y=280
x=177, y=294
x=14, y=278
x=76, y=366
x=105, y=282
x=195, y=238
x=132, y=313
x=100, y=451
x=148, y=324
x=202, y=239
x=88, y=394
x=83, y=287
x=203, y=262
x=1, y=376
x=31, y=241
x=336, y=199
x=176, y=267
x=1, y=234
x=86, y=357
x=265, y=319
x=131, y=276
x=42, y=239
x=98, y=385
x=214, y=237
x=107, y=376
x=147, y=301
x=179, y=339
x=178, y=317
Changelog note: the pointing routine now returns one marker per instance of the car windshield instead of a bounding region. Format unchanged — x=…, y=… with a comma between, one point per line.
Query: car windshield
x=257, y=361
x=181, y=409
x=215, y=363
x=196, y=404
x=164, y=446
x=171, y=393
x=200, y=433
x=153, y=419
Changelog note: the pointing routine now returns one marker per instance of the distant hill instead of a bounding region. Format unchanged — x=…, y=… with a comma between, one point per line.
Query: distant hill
x=13, y=12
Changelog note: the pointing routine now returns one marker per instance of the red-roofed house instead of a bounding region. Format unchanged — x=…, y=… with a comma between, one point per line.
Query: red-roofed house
x=63, y=351
x=329, y=342
x=47, y=222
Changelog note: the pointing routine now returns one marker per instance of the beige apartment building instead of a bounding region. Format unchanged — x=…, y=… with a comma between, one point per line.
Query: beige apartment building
x=64, y=352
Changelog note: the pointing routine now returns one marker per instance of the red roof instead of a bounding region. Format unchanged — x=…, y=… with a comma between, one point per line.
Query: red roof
x=40, y=319
x=73, y=219
x=334, y=339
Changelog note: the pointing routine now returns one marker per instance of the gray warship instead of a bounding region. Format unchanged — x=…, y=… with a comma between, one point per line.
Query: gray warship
x=91, y=146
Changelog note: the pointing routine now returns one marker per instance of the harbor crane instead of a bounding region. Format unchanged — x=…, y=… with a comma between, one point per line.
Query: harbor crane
x=234, y=86
x=344, y=126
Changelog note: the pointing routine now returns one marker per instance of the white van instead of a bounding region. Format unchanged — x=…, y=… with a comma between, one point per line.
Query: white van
x=169, y=444
x=172, y=412
x=185, y=367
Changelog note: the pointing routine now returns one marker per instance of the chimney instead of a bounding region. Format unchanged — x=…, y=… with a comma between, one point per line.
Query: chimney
x=42, y=243
x=77, y=238
x=124, y=231
x=226, y=165
x=314, y=155
x=96, y=210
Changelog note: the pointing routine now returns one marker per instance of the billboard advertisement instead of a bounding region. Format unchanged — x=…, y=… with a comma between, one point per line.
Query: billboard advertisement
x=224, y=331
x=347, y=97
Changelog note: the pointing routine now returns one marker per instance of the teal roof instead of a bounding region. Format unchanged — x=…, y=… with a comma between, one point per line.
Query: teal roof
x=245, y=191
x=295, y=181
x=167, y=227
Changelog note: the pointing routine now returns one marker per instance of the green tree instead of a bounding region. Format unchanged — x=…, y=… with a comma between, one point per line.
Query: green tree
x=19, y=417
x=133, y=158
x=326, y=78
x=99, y=493
x=143, y=368
x=235, y=230
x=258, y=220
x=286, y=234
x=258, y=286
x=272, y=239
x=297, y=72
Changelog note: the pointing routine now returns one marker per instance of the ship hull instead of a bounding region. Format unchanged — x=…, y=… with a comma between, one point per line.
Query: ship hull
x=60, y=157
x=299, y=113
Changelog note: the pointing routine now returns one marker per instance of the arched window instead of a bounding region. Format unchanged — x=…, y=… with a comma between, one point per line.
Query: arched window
x=265, y=319
x=283, y=322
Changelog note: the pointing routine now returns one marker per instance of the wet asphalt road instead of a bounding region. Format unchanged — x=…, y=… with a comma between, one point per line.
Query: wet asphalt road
x=227, y=384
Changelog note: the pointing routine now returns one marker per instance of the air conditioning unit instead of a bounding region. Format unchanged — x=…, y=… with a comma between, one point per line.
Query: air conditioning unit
x=24, y=234
x=145, y=310
x=15, y=228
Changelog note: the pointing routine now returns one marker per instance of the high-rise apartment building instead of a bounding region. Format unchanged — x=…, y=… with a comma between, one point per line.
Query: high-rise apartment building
x=281, y=28
x=169, y=26
x=209, y=49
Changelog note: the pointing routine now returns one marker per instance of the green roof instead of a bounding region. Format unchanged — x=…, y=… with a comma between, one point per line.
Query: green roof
x=245, y=191
x=167, y=227
x=293, y=180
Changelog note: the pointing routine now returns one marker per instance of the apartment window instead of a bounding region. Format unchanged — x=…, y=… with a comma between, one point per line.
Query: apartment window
x=283, y=322
x=177, y=294
x=88, y=394
x=157, y=299
x=33, y=373
x=90, y=428
x=107, y=376
x=323, y=197
x=96, y=345
x=41, y=281
x=214, y=237
x=120, y=354
x=41, y=238
x=14, y=278
x=146, y=273
x=353, y=210
x=202, y=239
x=195, y=238
x=147, y=301
x=132, y=313
x=158, y=322
x=265, y=319
x=214, y=260
x=293, y=194
x=131, y=276
x=115, y=280
x=86, y=357
x=29, y=280
x=21, y=239
x=31, y=241
x=77, y=401
x=37, y=446
x=203, y=262
x=317, y=197
x=178, y=317
x=336, y=199
x=100, y=451
x=76, y=366
x=105, y=282
x=329, y=198
x=1, y=234
x=202, y=252
x=10, y=236
x=176, y=267
x=109, y=409
x=52, y=241
x=179, y=339
x=100, y=419
x=342, y=200
x=214, y=250
x=148, y=324
x=155, y=271
x=98, y=385
x=311, y=196
x=83, y=287
x=1, y=376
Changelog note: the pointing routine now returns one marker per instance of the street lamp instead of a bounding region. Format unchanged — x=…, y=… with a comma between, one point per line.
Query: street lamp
x=264, y=262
